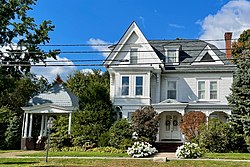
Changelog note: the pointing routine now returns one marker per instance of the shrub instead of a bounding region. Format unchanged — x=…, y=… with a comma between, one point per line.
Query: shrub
x=106, y=149
x=121, y=134
x=191, y=122
x=141, y=149
x=220, y=137
x=188, y=150
x=145, y=123
x=104, y=139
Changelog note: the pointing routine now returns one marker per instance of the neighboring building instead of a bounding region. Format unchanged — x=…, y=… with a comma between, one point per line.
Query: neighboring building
x=174, y=76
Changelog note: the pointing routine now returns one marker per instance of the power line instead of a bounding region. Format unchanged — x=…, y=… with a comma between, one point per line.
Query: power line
x=114, y=51
x=111, y=44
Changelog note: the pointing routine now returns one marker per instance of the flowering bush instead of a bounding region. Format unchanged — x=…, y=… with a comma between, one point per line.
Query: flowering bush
x=141, y=149
x=188, y=150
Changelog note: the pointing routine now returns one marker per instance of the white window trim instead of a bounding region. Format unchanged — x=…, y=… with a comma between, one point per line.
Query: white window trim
x=207, y=89
x=132, y=86
x=129, y=85
x=143, y=85
x=137, y=55
x=176, y=88
x=177, y=49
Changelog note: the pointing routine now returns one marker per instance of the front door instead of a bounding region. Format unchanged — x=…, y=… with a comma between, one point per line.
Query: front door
x=170, y=126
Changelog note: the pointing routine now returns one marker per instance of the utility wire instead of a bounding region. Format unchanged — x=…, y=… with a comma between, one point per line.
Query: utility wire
x=114, y=51
x=111, y=44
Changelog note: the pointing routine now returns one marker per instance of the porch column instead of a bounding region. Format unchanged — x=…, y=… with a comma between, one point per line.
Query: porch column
x=30, y=126
x=46, y=124
x=70, y=117
x=23, y=124
x=158, y=87
x=26, y=125
x=42, y=126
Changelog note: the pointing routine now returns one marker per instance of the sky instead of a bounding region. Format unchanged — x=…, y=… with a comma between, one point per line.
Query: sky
x=104, y=22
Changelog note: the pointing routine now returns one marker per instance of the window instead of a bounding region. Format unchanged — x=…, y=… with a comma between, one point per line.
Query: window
x=201, y=90
x=213, y=90
x=133, y=55
x=139, y=86
x=207, y=90
x=125, y=85
x=171, y=56
x=171, y=89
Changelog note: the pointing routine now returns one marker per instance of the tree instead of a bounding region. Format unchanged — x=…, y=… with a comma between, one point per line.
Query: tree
x=239, y=99
x=16, y=24
x=95, y=115
x=243, y=43
x=145, y=123
x=20, y=38
x=218, y=136
x=121, y=134
x=191, y=122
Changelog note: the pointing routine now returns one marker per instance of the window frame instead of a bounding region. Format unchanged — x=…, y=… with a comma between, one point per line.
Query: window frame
x=123, y=86
x=134, y=55
x=139, y=86
x=208, y=89
x=176, y=89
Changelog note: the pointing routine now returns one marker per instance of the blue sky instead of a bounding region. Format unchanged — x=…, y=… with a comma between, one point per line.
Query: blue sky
x=97, y=21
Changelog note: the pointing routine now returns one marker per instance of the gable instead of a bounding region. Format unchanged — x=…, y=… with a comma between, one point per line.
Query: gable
x=207, y=57
x=133, y=39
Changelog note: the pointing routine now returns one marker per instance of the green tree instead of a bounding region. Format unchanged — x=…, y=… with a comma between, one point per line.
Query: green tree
x=239, y=99
x=5, y=115
x=219, y=137
x=145, y=122
x=16, y=24
x=121, y=134
x=95, y=115
x=12, y=133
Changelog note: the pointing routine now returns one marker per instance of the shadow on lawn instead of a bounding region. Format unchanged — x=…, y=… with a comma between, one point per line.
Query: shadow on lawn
x=9, y=163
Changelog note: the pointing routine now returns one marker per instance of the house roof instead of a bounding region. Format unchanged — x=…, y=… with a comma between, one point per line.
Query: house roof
x=190, y=49
x=58, y=95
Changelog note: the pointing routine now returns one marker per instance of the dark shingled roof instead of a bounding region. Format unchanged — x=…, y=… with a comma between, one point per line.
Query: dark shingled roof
x=190, y=49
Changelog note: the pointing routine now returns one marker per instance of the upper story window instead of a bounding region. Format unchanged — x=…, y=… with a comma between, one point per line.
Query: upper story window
x=172, y=54
x=207, y=90
x=125, y=85
x=133, y=55
x=139, y=86
x=213, y=90
x=172, y=91
x=201, y=90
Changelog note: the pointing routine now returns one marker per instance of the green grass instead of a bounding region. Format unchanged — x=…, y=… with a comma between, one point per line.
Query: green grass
x=77, y=154
x=241, y=156
x=25, y=162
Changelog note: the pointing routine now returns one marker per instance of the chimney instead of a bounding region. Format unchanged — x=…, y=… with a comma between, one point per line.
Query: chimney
x=228, y=42
x=58, y=79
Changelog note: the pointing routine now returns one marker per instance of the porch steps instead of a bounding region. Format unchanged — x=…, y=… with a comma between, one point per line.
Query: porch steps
x=167, y=146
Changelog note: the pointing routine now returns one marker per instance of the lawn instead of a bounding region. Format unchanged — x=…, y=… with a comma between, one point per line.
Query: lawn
x=241, y=156
x=77, y=154
x=24, y=162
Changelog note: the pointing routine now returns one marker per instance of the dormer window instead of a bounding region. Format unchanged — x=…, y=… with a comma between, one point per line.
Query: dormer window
x=133, y=55
x=172, y=54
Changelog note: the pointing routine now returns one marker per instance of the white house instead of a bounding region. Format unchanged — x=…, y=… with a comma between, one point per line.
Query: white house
x=174, y=76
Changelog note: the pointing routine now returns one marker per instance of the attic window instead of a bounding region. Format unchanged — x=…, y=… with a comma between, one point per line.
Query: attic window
x=172, y=54
x=133, y=55
x=207, y=58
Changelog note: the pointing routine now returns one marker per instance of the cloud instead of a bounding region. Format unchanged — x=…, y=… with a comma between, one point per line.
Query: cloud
x=142, y=20
x=99, y=45
x=232, y=17
x=50, y=72
x=176, y=26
